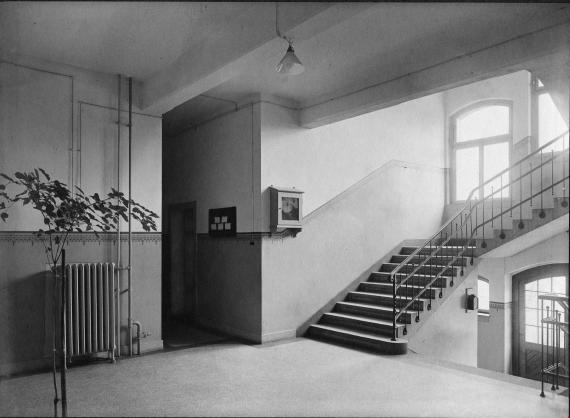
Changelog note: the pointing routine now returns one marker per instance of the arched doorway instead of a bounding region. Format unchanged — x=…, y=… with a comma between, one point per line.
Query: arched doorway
x=527, y=285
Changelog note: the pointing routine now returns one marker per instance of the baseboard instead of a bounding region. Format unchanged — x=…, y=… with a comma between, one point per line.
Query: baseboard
x=230, y=330
x=278, y=335
x=22, y=367
x=146, y=347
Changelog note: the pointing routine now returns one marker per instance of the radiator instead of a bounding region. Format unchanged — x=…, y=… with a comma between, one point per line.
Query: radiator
x=92, y=314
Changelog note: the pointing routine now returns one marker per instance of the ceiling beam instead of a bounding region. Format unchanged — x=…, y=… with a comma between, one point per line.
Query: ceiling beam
x=193, y=75
x=516, y=54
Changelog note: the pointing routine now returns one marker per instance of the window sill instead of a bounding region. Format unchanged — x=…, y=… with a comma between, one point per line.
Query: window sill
x=483, y=316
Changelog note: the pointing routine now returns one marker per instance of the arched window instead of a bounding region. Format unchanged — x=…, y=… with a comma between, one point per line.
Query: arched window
x=481, y=137
x=483, y=295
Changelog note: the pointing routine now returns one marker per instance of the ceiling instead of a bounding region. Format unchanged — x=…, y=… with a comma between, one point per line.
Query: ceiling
x=186, y=54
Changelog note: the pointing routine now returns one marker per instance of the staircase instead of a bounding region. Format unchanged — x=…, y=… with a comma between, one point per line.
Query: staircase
x=395, y=301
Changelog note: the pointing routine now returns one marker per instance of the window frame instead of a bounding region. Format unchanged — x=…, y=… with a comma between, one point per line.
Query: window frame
x=480, y=311
x=535, y=92
x=478, y=143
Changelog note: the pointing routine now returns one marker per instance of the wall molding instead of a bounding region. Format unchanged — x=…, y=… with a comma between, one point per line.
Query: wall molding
x=83, y=237
x=500, y=305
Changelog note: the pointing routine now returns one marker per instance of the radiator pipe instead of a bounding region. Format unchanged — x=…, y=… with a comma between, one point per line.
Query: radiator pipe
x=118, y=218
x=138, y=325
x=63, y=364
x=129, y=271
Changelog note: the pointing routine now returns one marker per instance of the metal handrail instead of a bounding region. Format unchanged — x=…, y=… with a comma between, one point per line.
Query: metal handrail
x=477, y=188
x=467, y=209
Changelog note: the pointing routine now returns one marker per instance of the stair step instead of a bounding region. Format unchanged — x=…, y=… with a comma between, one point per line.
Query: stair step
x=387, y=288
x=384, y=277
x=408, y=268
x=374, y=311
x=384, y=300
x=360, y=323
x=446, y=250
x=435, y=260
x=358, y=339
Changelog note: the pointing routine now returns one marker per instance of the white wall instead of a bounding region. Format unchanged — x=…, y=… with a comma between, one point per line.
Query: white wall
x=325, y=161
x=495, y=343
x=76, y=142
x=370, y=182
x=343, y=240
x=77, y=146
x=217, y=165
x=451, y=333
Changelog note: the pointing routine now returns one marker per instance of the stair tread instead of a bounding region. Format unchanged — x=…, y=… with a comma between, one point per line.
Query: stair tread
x=444, y=247
x=362, y=334
x=402, y=286
x=415, y=274
x=425, y=265
x=368, y=305
x=383, y=294
x=434, y=256
x=363, y=318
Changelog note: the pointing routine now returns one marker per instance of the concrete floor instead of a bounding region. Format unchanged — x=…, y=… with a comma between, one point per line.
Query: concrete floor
x=298, y=377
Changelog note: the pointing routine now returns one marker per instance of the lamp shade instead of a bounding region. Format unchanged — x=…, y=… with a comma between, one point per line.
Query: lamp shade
x=290, y=64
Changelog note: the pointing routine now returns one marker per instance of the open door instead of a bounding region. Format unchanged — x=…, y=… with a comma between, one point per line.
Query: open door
x=527, y=285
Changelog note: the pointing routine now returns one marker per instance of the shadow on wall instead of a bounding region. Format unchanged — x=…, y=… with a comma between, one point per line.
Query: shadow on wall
x=26, y=322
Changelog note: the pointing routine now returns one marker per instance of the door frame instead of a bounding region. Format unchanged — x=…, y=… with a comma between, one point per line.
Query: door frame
x=518, y=282
x=167, y=254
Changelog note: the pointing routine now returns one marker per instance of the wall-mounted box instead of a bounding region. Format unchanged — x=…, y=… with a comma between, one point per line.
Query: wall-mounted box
x=286, y=208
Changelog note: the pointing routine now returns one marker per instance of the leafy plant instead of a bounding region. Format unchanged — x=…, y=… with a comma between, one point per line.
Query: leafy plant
x=64, y=212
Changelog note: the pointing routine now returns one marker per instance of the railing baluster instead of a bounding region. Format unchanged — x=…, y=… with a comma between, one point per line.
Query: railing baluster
x=483, y=244
x=471, y=237
x=530, y=171
x=510, y=189
x=393, y=306
x=552, y=167
x=521, y=223
x=542, y=348
x=440, y=252
x=553, y=342
x=430, y=276
x=492, y=207
x=541, y=214
x=564, y=201
x=502, y=234
x=557, y=317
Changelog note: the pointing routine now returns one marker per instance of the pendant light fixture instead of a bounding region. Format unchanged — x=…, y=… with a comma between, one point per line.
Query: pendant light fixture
x=289, y=64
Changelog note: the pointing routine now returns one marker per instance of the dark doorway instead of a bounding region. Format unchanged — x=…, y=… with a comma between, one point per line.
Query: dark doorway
x=179, y=290
x=527, y=285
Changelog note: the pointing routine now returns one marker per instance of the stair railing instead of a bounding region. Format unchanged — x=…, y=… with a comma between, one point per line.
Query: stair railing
x=554, y=366
x=460, y=231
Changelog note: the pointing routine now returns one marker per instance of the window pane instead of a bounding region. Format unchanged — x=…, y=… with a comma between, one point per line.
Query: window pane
x=467, y=168
x=531, y=334
x=531, y=316
x=531, y=300
x=483, y=294
x=544, y=285
x=484, y=122
x=559, y=285
x=495, y=160
x=531, y=286
x=550, y=121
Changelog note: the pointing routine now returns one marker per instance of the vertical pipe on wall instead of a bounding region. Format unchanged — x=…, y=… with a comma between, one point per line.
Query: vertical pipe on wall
x=130, y=274
x=118, y=270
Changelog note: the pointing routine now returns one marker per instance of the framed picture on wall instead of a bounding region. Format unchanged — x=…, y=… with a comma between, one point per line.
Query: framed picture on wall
x=286, y=206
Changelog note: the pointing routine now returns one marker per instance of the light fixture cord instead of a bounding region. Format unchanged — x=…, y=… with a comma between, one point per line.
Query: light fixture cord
x=279, y=34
